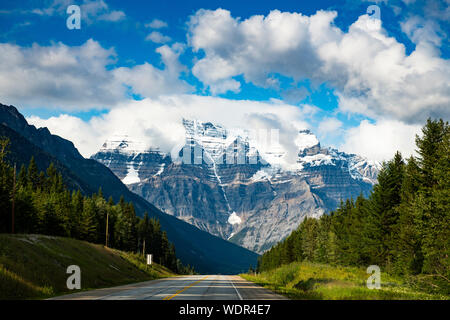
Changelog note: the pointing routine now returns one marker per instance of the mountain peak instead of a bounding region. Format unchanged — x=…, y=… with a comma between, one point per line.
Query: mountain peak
x=218, y=189
x=127, y=145
x=41, y=137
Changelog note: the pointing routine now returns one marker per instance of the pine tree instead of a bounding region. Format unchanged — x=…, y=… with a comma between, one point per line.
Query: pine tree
x=75, y=215
x=6, y=175
x=33, y=174
x=22, y=177
x=408, y=244
x=428, y=146
x=309, y=238
x=88, y=223
x=383, y=215
x=436, y=240
x=321, y=254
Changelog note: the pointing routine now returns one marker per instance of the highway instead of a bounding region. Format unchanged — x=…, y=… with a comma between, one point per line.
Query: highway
x=197, y=287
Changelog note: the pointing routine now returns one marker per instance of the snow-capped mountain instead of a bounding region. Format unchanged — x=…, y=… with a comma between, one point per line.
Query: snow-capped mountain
x=225, y=182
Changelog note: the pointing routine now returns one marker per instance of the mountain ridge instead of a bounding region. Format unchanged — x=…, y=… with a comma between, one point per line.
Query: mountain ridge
x=221, y=182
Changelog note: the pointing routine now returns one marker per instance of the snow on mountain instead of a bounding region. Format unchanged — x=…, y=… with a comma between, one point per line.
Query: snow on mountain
x=306, y=139
x=312, y=155
x=124, y=144
x=132, y=175
x=234, y=219
x=223, y=183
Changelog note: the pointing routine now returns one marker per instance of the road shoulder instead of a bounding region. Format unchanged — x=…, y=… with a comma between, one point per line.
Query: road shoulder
x=252, y=291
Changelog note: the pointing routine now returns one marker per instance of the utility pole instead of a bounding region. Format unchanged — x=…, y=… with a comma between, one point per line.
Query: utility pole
x=13, y=199
x=143, y=249
x=107, y=221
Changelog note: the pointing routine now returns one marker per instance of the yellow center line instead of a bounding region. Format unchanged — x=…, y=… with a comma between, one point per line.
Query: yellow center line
x=185, y=288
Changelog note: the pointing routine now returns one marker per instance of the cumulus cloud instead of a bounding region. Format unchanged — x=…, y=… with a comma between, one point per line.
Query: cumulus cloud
x=58, y=75
x=379, y=141
x=157, y=37
x=156, y=24
x=81, y=133
x=329, y=125
x=158, y=122
x=149, y=81
x=420, y=30
x=81, y=77
x=370, y=71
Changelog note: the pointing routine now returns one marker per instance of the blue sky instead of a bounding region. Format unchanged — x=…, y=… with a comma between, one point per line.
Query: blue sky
x=189, y=49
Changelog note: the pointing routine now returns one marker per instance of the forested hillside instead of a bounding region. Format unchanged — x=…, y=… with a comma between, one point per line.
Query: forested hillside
x=44, y=205
x=403, y=226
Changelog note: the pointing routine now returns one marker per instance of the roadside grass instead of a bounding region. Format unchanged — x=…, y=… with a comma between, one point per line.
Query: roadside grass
x=34, y=266
x=304, y=280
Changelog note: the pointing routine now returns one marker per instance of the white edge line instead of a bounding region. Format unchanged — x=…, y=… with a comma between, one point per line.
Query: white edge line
x=239, y=295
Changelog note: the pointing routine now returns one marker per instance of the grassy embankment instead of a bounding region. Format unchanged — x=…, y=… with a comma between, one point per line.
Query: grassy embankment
x=302, y=280
x=34, y=266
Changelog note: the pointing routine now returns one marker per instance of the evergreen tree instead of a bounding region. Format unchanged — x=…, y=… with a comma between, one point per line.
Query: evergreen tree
x=383, y=214
x=428, y=146
x=88, y=222
x=408, y=245
x=33, y=174
x=6, y=179
x=44, y=205
x=22, y=177
x=436, y=240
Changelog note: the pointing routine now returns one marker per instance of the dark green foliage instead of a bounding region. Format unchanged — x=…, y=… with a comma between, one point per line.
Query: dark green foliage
x=44, y=205
x=403, y=227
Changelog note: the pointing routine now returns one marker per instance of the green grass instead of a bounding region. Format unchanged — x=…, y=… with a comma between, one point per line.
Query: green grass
x=303, y=280
x=34, y=266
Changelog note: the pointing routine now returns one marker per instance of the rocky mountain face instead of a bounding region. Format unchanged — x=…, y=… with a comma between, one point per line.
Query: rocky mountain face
x=221, y=183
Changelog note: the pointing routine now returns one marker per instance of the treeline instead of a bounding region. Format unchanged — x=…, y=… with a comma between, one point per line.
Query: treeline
x=403, y=227
x=43, y=205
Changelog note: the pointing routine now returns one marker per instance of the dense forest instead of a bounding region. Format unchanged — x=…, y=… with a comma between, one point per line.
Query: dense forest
x=403, y=226
x=44, y=205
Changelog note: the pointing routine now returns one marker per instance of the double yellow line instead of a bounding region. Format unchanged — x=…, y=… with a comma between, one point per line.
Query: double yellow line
x=185, y=288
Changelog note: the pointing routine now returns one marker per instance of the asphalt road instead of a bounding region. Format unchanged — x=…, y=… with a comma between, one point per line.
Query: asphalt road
x=198, y=287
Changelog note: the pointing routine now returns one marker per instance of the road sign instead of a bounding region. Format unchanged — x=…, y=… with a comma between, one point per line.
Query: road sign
x=149, y=259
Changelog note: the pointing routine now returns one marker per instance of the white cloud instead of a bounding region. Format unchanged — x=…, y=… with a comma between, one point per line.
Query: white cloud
x=380, y=141
x=81, y=133
x=91, y=10
x=112, y=16
x=329, y=125
x=148, y=81
x=371, y=72
x=157, y=37
x=158, y=122
x=81, y=77
x=58, y=76
x=156, y=24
